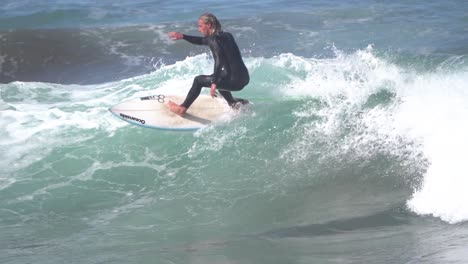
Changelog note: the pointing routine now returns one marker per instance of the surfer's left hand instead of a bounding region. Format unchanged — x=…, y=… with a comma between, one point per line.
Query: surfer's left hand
x=213, y=90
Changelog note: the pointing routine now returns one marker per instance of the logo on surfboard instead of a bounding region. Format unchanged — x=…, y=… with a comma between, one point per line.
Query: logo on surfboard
x=124, y=116
x=160, y=98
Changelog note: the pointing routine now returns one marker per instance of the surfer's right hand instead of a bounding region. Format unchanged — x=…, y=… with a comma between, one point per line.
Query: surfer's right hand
x=175, y=35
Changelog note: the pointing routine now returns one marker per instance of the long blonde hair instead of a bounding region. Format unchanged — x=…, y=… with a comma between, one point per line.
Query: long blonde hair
x=211, y=19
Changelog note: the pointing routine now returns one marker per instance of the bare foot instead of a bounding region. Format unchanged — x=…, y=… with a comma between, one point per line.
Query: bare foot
x=180, y=110
x=238, y=103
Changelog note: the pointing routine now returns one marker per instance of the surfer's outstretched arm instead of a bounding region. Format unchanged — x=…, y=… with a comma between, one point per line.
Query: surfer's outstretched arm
x=195, y=40
x=175, y=35
x=192, y=39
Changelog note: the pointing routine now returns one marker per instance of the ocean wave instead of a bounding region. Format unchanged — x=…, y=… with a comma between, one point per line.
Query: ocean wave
x=356, y=112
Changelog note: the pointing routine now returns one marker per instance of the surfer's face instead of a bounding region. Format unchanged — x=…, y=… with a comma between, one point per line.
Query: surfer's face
x=204, y=28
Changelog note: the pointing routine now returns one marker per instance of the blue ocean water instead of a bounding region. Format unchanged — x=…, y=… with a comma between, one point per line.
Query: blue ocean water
x=354, y=151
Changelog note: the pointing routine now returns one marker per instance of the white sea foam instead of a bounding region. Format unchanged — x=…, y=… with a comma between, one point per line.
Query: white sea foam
x=436, y=109
x=429, y=110
x=37, y=118
x=42, y=116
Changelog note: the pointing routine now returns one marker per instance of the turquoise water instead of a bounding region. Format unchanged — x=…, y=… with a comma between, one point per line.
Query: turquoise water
x=352, y=153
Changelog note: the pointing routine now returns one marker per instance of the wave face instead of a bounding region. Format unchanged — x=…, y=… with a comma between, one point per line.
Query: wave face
x=352, y=111
x=351, y=142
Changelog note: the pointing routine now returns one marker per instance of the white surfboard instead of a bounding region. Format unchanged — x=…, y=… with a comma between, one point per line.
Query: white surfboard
x=153, y=112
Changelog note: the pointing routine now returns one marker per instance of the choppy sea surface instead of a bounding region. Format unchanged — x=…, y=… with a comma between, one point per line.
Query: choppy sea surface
x=354, y=150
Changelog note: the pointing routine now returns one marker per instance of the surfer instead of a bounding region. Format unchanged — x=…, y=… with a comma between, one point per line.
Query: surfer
x=230, y=72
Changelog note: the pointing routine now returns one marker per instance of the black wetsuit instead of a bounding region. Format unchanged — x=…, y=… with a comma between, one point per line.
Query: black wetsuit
x=230, y=73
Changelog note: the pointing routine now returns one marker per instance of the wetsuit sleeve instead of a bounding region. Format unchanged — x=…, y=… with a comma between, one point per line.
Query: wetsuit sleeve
x=195, y=40
x=219, y=58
